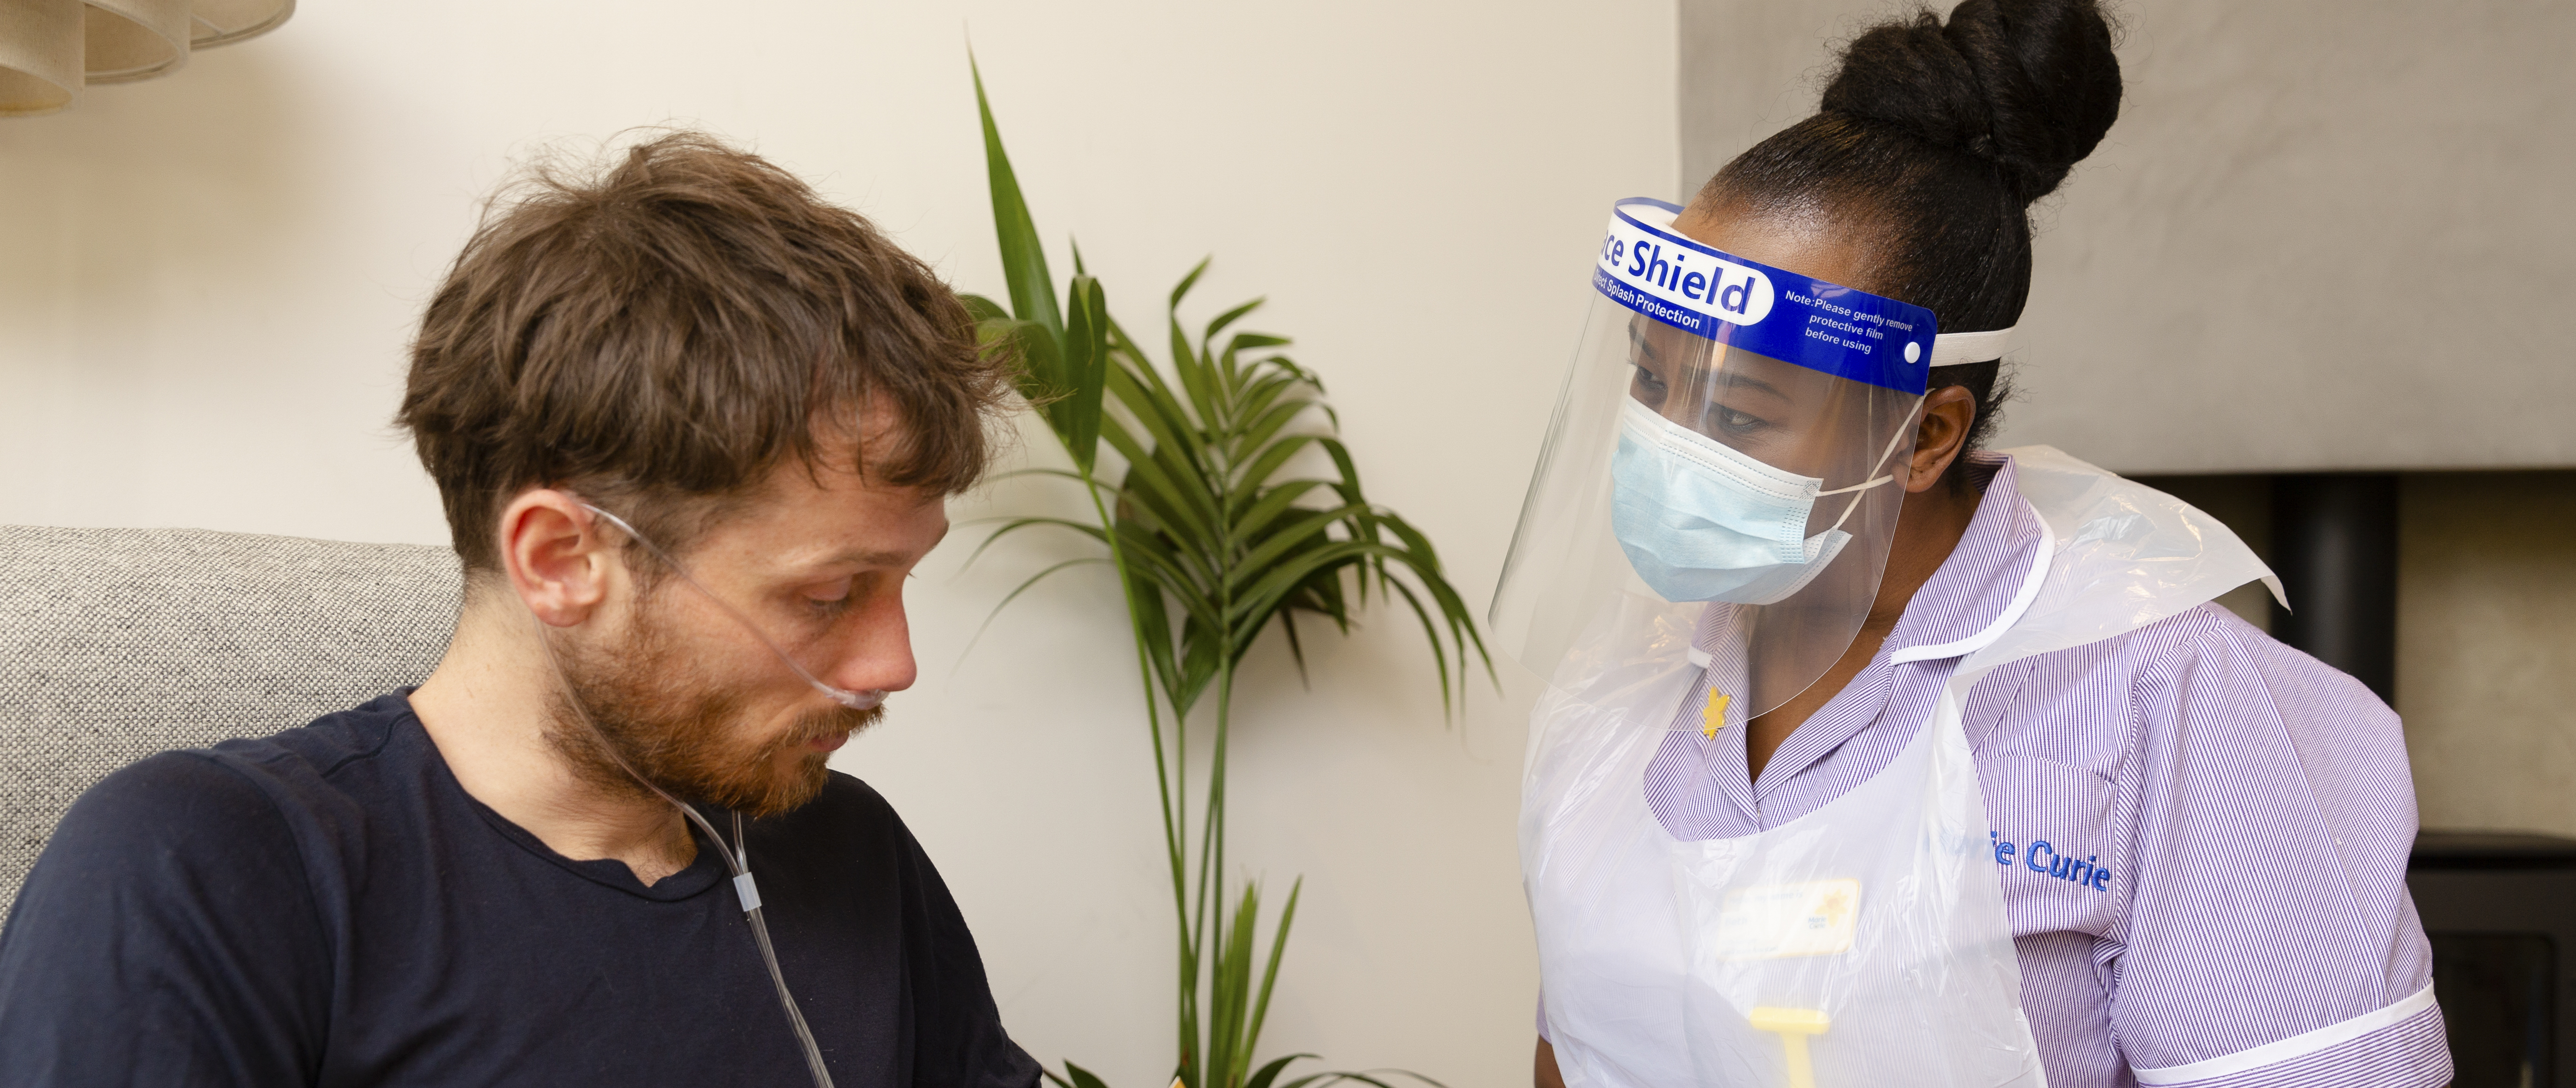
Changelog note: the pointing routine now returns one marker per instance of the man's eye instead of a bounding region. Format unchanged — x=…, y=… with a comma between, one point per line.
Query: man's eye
x=831, y=598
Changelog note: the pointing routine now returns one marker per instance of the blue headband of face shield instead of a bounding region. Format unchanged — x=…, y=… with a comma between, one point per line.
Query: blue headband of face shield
x=1698, y=519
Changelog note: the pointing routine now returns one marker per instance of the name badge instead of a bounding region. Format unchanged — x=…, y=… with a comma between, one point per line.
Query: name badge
x=1779, y=921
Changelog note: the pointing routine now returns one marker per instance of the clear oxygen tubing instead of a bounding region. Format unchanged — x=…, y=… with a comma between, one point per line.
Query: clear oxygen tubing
x=737, y=857
x=737, y=860
x=855, y=700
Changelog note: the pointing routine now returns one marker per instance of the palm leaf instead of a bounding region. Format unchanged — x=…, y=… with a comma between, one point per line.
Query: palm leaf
x=1252, y=479
x=1230, y=317
x=1270, y=972
x=1034, y=579
x=1086, y=370
x=1024, y=264
x=983, y=309
x=1213, y=539
x=1256, y=521
x=1081, y=1078
x=1261, y=564
x=1271, y=1071
x=1370, y=1077
x=1266, y=426
x=1013, y=525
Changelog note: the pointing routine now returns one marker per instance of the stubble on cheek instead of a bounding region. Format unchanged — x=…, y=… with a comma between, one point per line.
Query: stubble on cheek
x=788, y=769
x=682, y=730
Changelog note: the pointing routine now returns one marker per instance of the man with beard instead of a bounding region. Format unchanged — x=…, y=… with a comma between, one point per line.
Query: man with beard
x=692, y=427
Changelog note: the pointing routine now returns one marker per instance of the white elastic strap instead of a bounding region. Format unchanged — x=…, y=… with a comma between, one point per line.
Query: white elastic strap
x=1865, y=485
x=1950, y=348
x=1947, y=348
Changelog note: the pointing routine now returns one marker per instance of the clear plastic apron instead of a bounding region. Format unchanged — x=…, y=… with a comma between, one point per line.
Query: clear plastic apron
x=1864, y=943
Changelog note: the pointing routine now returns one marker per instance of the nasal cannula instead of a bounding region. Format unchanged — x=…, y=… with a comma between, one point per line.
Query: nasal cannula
x=737, y=857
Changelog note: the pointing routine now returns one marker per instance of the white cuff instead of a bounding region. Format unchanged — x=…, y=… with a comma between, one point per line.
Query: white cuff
x=2296, y=1046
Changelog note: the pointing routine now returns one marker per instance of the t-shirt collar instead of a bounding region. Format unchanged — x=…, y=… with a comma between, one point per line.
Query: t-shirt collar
x=701, y=873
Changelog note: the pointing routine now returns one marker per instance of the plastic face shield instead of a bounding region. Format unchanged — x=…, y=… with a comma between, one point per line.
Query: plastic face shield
x=1727, y=446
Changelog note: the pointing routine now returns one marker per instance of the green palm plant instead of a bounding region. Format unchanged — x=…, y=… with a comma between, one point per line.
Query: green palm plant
x=1213, y=544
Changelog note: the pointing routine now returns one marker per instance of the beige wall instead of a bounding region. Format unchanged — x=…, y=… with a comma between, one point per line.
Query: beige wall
x=2325, y=234
x=2486, y=647
x=206, y=283
x=2322, y=236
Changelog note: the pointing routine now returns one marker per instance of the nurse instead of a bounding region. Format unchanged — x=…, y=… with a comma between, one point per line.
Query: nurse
x=1872, y=758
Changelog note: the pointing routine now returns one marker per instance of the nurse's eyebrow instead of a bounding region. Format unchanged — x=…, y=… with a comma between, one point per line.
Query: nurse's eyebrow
x=1638, y=341
x=1733, y=379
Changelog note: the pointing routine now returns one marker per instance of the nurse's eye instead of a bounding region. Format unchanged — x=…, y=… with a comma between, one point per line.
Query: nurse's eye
x=1650, y=389
x=1734, y=422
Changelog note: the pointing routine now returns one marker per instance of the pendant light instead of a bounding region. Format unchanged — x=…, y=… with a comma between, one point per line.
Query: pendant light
x=49, y=49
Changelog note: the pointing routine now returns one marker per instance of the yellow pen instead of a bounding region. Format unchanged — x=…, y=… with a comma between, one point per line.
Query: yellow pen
x=1793, y=1026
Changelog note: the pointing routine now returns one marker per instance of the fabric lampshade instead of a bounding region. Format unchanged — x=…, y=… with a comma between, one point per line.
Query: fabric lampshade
x=49, y=49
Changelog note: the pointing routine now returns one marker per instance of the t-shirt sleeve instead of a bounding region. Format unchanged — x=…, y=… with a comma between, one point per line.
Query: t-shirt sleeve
x=958, y=1041
x=166, y=935
x=2268, y=938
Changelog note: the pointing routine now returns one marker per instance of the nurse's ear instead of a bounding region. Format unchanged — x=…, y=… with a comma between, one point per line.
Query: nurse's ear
x=1948, y=414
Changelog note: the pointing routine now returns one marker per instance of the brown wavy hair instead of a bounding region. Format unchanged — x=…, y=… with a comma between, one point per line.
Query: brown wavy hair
x=661, y=331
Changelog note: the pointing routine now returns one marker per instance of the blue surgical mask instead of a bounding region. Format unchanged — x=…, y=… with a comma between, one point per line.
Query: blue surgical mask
x=1703, y=522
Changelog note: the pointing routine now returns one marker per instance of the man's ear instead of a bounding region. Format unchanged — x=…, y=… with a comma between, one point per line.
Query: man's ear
x=1942, y=436
x=554, y=557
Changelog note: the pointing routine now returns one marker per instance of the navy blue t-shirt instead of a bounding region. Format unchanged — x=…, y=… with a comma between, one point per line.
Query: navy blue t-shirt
x=328, y=906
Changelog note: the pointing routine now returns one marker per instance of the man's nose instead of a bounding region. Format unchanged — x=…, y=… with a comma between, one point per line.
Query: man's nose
x=878, y=656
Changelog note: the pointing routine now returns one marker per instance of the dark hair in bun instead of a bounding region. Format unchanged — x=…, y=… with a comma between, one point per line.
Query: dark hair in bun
x=1934, y=139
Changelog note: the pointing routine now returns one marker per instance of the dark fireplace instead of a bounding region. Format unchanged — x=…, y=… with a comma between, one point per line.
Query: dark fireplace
x=2501, y=912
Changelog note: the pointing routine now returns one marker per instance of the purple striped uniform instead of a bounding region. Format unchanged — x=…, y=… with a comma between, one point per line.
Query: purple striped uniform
x=2202, y=833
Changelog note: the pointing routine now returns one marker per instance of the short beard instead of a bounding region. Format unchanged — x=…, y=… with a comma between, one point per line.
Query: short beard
x=640, y=703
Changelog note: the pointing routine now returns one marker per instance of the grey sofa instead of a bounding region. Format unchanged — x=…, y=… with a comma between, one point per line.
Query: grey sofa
x=118, y=643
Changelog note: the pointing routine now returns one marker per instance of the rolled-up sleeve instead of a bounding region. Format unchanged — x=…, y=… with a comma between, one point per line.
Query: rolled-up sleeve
x=2266, y=937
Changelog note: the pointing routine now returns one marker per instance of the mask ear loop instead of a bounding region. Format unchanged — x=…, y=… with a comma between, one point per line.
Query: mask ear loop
x=737, y=858
x=1865, y=485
